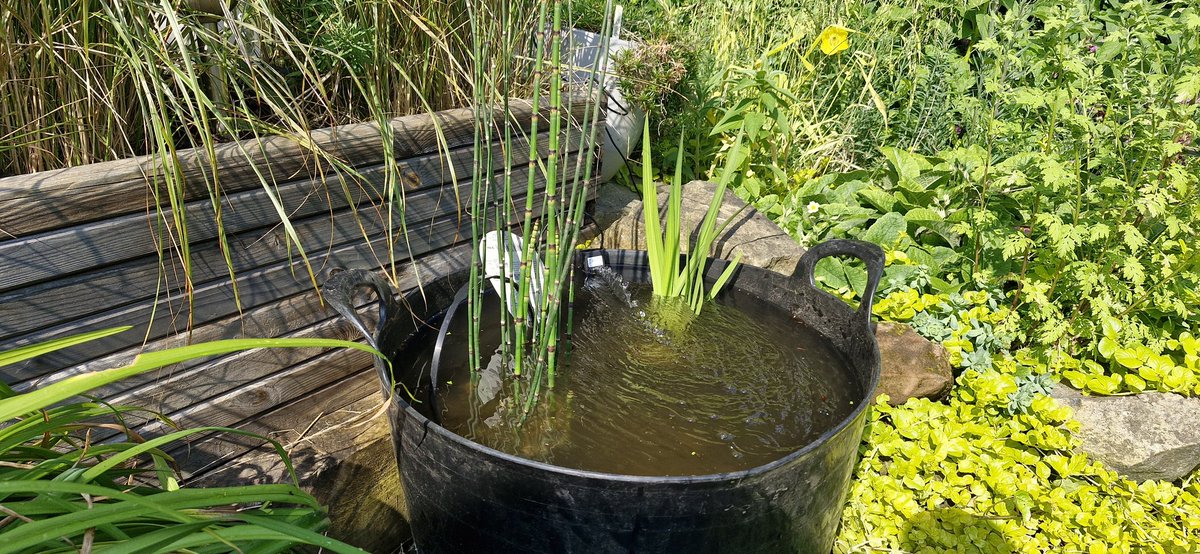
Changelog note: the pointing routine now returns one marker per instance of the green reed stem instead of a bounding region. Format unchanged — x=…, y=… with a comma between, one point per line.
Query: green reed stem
x=531, y=188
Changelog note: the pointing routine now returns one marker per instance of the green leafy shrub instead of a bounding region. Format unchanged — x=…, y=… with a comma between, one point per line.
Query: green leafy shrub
x=970, y=476
x=1087, y=205
x=994, y=469
x=1077, y=202
x=648, y=74
x=336, y=29
x=1175, y=367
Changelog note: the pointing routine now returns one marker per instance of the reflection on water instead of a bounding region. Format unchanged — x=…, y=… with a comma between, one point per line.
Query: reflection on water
x=650, y=390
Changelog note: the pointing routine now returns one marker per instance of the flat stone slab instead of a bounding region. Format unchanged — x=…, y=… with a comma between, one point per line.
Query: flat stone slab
x=760, y=241
x=1152, y=435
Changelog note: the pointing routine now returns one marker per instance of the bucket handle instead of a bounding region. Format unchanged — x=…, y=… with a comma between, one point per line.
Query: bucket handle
x=339, y=289
x=869, y=253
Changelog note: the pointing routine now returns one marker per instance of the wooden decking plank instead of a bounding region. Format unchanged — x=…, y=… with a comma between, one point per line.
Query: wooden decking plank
x=288, y=423
x=46, y=200
x=270, y=320
x=76, y=249
x=215, y=300
x=209, y=302
x=30, y=308
x=180, y=389
x=267, y=392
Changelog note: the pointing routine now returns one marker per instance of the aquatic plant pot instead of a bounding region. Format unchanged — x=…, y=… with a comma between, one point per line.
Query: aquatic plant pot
x=465, y=497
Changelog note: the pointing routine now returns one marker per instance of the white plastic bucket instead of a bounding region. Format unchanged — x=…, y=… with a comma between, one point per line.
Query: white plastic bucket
x=622, y=122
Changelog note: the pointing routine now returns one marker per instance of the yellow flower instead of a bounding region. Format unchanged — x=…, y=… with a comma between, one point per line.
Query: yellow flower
x=834, y=39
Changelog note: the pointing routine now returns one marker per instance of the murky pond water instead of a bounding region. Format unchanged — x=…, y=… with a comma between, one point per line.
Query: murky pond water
x=650, y=390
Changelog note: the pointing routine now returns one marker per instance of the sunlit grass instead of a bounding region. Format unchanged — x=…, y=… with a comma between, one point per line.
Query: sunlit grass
x=60, y=491
x=84, y=81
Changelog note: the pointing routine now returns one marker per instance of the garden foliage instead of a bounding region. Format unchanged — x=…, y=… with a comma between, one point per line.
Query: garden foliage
x=993, y=468
x=1033, y=170
x=62, y=489
x=1059, y=171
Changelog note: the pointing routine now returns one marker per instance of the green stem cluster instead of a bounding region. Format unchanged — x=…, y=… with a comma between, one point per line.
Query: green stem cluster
x=530, y=333
x=668, y=279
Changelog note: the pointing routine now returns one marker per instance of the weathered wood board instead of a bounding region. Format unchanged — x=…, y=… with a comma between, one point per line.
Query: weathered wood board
x=55, y=199
x=96, y=246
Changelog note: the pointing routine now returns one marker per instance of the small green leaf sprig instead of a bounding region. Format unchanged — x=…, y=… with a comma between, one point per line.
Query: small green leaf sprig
x=1132, y=366
x=970, y=475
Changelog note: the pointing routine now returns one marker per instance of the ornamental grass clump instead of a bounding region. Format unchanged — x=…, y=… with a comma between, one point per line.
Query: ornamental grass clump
x=669, y=278
x=62, y=492
x=83, y=82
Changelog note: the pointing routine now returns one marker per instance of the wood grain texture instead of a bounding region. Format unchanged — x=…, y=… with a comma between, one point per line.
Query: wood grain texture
x=214, y=300
x=207, y=303
x=94, y=245
x=324, y=419
x=269, y=391
x=270, y=320
x=340, y=449
x=27, y=309
x=182, y=387
x=52, y=199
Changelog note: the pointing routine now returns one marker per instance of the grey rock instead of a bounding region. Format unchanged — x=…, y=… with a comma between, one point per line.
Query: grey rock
x=762, y=243
x=1152, y=435
x=913, y=367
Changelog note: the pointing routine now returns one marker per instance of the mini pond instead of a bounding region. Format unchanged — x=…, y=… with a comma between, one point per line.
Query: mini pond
x=648, y=388
x=769, y=389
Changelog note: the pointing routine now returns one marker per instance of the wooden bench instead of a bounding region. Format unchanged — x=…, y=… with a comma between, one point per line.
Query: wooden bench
x=95, y=246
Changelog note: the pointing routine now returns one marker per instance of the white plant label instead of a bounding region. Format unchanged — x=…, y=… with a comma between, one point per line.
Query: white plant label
x=502, y=268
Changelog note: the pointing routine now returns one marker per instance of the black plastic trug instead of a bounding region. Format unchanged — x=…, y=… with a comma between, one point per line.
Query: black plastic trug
x=464, y=497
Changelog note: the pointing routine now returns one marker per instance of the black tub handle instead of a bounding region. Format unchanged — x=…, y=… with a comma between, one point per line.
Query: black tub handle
x=339, y=289
x=869, y=253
